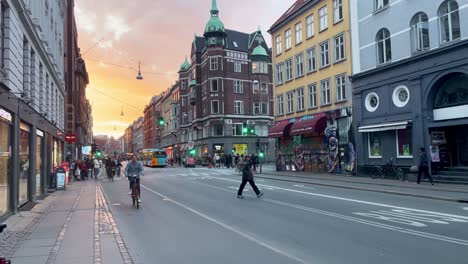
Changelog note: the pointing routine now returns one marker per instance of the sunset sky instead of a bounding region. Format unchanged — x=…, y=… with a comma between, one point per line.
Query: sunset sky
x=159, y=33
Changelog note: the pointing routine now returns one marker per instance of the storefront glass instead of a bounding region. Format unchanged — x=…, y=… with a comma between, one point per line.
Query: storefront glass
x=405, y=148
x=38, y=165
x=24, y=164
x=240, y=149
x=4, y=159
x=375, y=145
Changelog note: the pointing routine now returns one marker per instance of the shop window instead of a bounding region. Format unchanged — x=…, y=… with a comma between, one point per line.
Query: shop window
x=24, y=166
x=403, y=141
x=4, y=156
x=453, y=91
x=375, y=145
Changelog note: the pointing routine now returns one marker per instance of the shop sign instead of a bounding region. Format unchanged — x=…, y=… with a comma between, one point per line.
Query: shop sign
x=438, y=137
x=86, y=150
x=5, y=115
x=240, y=148
x=61, y=175
x=70, y=138
x=191, y=144
x=39, y=133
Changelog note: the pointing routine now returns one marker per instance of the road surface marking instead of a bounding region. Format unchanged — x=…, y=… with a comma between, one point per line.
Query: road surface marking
x=465, y=208
x=372, y=223
x=353, y=200
x=303, y=186
x=115, y=204
x=230, y=228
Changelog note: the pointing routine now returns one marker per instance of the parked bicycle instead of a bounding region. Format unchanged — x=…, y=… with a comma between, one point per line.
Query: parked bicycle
x=3, y=260
x=389, y=170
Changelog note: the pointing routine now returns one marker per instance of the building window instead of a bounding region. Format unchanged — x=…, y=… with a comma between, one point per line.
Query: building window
x=449, y=21
x=214, y=85
x=372, y=102
x=237, y=66
x=184, y=100
x=401, y=96
x=403, y=142
x=183, y=85
x=279, y=105
x=375, y=144
x=287, y=36
x=340, y=52
x=213, y=64
x=311, y=60
x=264, y=88
x=310, y=26
x=326, y=92
x=419, y=32
x=312, y=95
x=289, y=70
x=290, y=102
x=379, y=4
x=300, y=99
x=324, y=54
x=259, y=67
x=239, y=107
x=238, y=87
x=298, y=33
x=256, y=107
x=299, y=65
x=279, y=73
x=340, y=84
x=384, y=46
x=184, y=118
x=215, y=107
x=218, y=130
x=278, y=45
x=337, y=11
x=323, y=16
x=237, y=129
x=264, y=108
x=255, y=87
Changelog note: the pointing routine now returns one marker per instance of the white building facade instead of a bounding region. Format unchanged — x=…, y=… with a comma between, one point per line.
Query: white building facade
x=32, y=92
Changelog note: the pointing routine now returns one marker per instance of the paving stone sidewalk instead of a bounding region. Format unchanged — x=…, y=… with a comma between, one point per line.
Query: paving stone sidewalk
x=72, y=226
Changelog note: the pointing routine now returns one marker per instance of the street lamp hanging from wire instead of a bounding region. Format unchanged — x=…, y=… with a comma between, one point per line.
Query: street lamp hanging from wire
x=139, y=76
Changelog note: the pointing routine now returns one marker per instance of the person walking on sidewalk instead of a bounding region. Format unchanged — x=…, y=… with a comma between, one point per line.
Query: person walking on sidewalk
x=248, y=176
x=133, y=171
x=423, y=167
x=96, y=168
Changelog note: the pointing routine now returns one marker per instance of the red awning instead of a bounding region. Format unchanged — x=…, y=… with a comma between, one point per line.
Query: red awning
x=280, y=128
x=308, y=124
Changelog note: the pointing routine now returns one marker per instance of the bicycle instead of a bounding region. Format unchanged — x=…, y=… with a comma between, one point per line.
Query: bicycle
x=135, y=191
x=3, y=260
x=387, y=169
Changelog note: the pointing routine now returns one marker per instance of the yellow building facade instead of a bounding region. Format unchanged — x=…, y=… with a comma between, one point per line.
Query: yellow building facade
x=312, y=62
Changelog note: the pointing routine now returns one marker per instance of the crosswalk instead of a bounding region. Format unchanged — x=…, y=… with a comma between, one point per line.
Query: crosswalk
x=205, y=174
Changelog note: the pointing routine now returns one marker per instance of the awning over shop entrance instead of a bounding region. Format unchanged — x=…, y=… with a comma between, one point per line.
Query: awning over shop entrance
x=385, y=126
x=310, y=123
x=280, y=128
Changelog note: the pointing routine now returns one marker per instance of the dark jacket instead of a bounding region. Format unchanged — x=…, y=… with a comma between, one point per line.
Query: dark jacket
x=423, y=160
x=247, y=171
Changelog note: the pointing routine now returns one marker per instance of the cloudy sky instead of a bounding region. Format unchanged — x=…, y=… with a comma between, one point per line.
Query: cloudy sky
x=157, y=32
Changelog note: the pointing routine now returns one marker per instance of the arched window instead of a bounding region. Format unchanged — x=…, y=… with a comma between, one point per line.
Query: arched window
x=419, y=32
x=384, y=46
x=449, y=21
x=452, y=91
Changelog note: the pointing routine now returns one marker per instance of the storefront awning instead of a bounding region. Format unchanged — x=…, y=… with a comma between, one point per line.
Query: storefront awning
x=308, y=124
x=280, y=128
x=384, y=127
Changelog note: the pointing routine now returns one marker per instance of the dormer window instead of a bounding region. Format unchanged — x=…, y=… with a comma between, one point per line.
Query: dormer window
x=235, y=44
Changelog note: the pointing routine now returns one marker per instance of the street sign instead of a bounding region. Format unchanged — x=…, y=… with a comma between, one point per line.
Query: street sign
x=70, y=138
x=61, y=175
x=191, y=144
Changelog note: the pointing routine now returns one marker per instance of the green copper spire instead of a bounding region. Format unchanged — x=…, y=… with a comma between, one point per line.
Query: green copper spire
x=214, y=24
x=214, y=8
x=185, y=66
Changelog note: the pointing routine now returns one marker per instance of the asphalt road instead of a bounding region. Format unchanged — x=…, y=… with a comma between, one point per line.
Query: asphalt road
x=193, y=216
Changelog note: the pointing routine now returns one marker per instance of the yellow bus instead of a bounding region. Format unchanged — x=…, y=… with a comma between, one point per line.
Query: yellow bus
x=154, y=158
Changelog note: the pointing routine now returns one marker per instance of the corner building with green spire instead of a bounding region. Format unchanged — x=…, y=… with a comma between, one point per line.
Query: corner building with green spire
x=226, y=86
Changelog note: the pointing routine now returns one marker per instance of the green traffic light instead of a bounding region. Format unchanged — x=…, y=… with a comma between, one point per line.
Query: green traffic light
x=245, y=130
x=252, y=131
x=261, y=154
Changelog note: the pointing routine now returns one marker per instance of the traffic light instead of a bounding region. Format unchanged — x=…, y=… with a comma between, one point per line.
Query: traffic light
x=261, y=154
x=257, y=143
x=234, y=149
x=98, y=154
x=192, y=152
x=161, y=122
x=245, y=129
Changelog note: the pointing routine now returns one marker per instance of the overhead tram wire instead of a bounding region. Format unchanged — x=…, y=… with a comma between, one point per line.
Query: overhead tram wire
x=117, y=99
x=128, y=67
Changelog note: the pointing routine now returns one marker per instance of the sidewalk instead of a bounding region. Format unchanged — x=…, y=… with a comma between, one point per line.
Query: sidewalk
x=72, y=226
x=445, y=192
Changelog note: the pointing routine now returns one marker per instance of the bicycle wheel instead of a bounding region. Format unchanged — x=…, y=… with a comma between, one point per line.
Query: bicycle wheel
x=401, y=175
x=137, y=196
x=379, y=172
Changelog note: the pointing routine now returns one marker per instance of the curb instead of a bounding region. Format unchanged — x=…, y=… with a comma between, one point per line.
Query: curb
x=368, y=183
x=440, y=198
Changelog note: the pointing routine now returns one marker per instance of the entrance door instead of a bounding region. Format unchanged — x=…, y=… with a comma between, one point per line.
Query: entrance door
x=462, y=146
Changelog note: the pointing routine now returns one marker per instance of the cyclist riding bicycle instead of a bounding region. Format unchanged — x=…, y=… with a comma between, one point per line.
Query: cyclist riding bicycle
x=133, y=171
